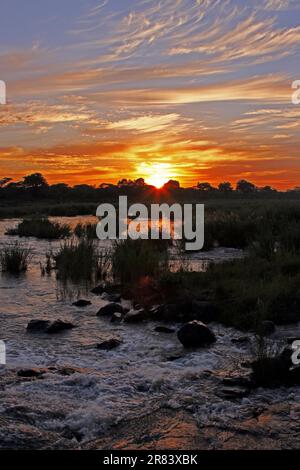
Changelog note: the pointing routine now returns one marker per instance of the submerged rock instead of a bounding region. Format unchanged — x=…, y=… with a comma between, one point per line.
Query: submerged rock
x=38, y=325
x=109, y=344
x=82, y=303
x=30, y=373
x=58, y=325
x=45, y=326
x=163, y=329
x=110, y=309
x=135, y=316
x=195, y=334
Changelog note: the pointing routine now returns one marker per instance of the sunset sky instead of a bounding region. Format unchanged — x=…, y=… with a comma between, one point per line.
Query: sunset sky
x=194, y=90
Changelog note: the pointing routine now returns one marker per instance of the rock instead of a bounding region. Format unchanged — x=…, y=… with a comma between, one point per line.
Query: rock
x=30, y=373
x=38, y=325
x=240, y=340
x=173, y=358
x=267, y=327
x=135, y=316
x=111, y=297
x=58, y=325
x=82, y=303
x=110, y=309
x=109, y=344
x=163, y=329
x=116, y=317
x=98, y=290
x=232, y=392
x=245, y=380
x=195, y=334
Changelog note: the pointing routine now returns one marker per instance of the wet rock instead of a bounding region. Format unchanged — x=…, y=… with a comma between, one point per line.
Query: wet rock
x=173, y=358
x=267, y=327
x=31, y=373
x=59, y=325
x=111, y=297
x=135, y=316
x=38, y=325
x=116, y=317
x=232, y=393
x=163, y=329
x=240, y=340
x=110, y=309
x=195, y=334
x=98, y=290
x=245, y=380
x=109, y=344
x=82, y=303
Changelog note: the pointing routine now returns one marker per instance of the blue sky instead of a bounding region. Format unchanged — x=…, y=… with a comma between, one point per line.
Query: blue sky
x=190, y=89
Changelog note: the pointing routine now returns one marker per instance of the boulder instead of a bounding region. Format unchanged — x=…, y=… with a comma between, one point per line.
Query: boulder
x=98, y=290
x=163, y=329
x=195, y=334
x=82, y=303
x=109, y=344
x=135, y=316
x=116, y=317
x=58, y=325
x=110, y=309
x=38, y=325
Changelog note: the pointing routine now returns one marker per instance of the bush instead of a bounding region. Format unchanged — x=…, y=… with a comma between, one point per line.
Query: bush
x=134, y=259
x=80, y=260
x=41, y=228
x=15, y=259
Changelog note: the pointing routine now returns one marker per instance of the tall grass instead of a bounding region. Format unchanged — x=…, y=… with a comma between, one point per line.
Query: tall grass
x=86, y=231
x=80, y=260
x=41, y=228
x=132, y=260
x=15, y=259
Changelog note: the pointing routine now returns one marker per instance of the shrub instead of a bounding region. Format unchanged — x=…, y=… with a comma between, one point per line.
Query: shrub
x=15, y=259
x=134, y=259
x=41, y=228
x=80, y=260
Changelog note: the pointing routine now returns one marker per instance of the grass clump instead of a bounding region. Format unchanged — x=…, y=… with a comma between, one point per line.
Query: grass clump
x=80, y=260
x=15, y=259
x=86, y=231
x=132, y=260
x=41, y=228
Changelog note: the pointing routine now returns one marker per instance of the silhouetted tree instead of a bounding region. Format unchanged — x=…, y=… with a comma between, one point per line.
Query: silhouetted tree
x=205, y=187
x=35, y=181
x=246, y=187
x=225, y=187
x=171, y=185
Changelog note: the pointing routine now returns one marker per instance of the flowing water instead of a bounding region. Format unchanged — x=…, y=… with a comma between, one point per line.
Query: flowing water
x=84, y=391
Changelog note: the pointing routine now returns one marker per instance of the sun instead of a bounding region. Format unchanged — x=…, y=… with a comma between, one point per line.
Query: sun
x=156, y=174
x=157, y=180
